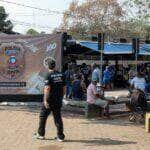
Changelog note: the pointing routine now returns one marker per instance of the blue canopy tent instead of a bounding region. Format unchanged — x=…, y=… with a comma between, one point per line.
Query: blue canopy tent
x=116, y=48
x=112, y=51
x=110, y=48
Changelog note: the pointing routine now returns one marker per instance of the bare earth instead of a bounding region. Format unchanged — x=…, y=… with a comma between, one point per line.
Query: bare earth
x=18, y=124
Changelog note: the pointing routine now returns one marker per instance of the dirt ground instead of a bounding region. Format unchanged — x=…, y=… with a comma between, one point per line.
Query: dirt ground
x=18, y=124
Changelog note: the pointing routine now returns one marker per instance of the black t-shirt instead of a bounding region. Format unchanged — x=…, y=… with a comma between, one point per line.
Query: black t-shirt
x=86, y=72
x=56, y=81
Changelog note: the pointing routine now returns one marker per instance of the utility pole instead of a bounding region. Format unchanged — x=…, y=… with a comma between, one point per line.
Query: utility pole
x=135, y=48
x=101, y=37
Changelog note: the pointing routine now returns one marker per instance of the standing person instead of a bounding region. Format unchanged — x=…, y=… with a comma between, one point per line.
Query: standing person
x=119, y=76
x=79, y=88
x=69, y=78
x=112, y=75
x=95, y=71
x=107, y=77
x=54, y=90
x=132, y=74
x=147, y=88
x=86, y=73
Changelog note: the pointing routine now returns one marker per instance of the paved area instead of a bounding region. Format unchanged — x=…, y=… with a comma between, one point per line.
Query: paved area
x=18, y=124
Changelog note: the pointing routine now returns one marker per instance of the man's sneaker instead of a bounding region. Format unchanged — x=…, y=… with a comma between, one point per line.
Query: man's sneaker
x=37, y=136
x=60, y=138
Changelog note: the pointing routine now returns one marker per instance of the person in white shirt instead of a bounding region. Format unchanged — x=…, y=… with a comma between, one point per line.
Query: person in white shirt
x=138, y=82
x=95, y=71
x=138, y=98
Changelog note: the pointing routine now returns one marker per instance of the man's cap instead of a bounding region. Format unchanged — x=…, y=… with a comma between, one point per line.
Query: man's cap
x=95, y=78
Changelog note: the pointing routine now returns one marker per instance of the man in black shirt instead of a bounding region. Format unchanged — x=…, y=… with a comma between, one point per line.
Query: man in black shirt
x=86, y=73
x=54, y=91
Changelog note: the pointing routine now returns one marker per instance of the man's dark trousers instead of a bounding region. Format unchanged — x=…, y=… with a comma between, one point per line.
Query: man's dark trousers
x=57, y=119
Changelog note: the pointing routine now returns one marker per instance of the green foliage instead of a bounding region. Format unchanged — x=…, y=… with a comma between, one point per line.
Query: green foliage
x=5, y=25
x=138, y=14
x=32, y=32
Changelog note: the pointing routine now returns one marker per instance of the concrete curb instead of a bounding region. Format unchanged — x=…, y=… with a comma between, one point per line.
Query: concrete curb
x=20, y=104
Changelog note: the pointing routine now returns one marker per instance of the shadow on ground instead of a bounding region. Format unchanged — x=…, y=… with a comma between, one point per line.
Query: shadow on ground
x=101, y=141
x=92, y=142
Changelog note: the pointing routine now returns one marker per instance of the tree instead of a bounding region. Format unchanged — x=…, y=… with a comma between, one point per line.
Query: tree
x=92, y=16
x=147, y=30
x=138, y=15
x=32, y=32
x=127, y=19
x=6, y=26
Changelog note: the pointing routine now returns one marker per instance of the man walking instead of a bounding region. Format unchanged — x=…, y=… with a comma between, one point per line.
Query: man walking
x=54, y=91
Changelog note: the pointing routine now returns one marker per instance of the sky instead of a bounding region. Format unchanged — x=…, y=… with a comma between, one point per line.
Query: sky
x=24, y=18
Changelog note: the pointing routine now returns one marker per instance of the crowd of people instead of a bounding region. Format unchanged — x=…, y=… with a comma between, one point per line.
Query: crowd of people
x=85, y=83
x=78, y=77
x=77, y=80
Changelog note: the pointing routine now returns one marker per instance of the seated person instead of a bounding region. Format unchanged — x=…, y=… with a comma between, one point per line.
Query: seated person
x=96, y=97
x=138, y=100
x=138, y=82
x=78, y=88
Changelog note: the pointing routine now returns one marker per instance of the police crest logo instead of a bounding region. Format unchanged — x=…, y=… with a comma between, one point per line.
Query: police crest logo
x=12, y=56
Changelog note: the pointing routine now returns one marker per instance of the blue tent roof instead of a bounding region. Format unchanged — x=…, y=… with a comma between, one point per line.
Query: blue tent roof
x=144, y=49
x=117, y=48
